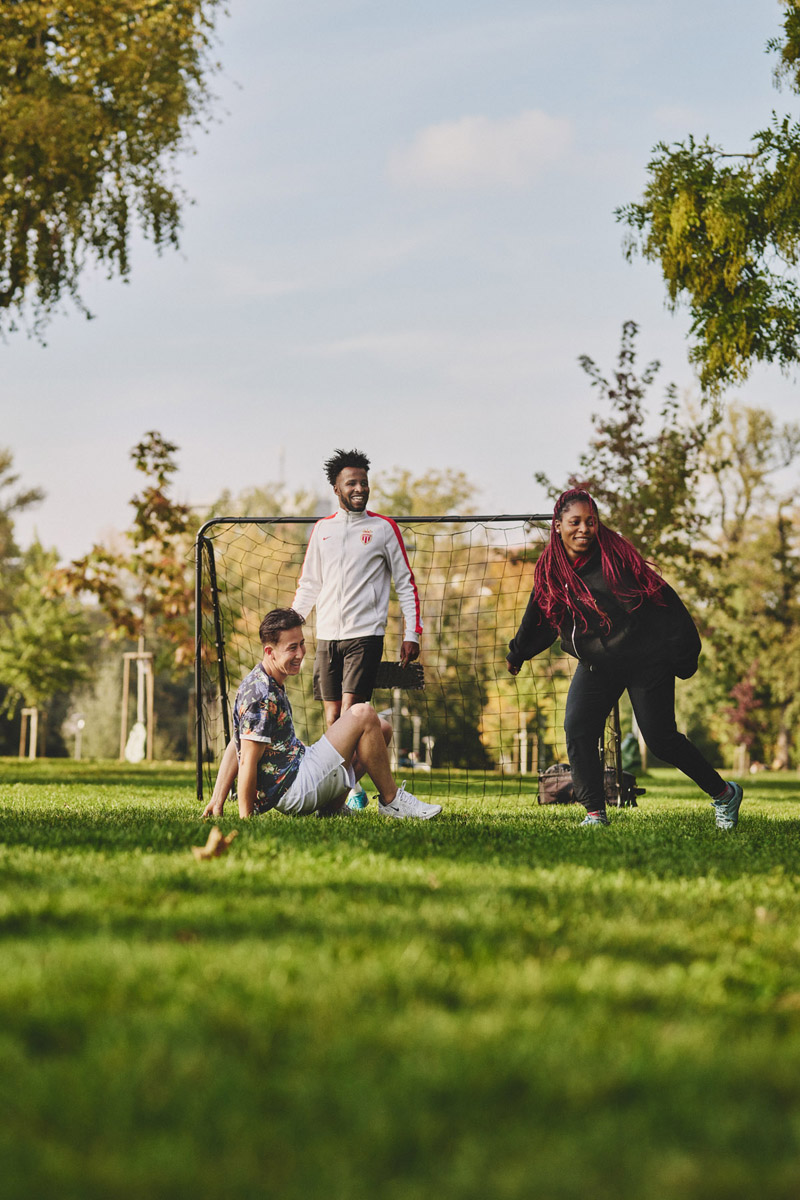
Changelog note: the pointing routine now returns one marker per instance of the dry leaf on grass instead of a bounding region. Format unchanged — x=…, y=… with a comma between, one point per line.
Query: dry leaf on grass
x=217, y=844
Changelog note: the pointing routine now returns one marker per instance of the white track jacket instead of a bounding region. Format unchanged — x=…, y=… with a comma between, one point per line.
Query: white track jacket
x=350, y=561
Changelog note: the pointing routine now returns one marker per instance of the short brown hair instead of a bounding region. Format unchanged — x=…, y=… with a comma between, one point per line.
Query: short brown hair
x=277, y=622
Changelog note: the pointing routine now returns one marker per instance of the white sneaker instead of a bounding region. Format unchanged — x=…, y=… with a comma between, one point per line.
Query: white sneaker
x=406, y=805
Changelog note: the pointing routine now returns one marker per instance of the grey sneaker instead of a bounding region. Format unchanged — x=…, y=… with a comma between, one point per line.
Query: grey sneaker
x=595, y=818
x=406, y=805
x=727, y=811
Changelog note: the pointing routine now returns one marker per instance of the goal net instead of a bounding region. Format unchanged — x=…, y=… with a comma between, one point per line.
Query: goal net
x=467, y=725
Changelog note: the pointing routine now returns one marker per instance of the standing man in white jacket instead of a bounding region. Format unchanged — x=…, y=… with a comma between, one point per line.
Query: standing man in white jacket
x=351, y=559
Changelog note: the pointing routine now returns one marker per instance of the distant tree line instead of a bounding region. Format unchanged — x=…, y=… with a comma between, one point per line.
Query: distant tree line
x=708, y=495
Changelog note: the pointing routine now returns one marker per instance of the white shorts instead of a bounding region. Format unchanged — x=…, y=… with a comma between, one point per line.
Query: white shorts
x=321, y=777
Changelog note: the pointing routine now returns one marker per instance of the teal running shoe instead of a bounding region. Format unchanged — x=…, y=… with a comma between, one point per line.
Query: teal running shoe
x=727, y=810
x=357, y=799
x=595, y=818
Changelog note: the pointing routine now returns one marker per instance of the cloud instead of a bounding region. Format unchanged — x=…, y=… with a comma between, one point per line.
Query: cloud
x=478, y=152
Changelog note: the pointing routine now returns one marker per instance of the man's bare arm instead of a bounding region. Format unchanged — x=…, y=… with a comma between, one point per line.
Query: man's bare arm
x=224, y=782
x=251, y=754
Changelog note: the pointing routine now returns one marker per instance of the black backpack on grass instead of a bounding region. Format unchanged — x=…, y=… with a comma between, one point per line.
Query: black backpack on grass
x=555, y=787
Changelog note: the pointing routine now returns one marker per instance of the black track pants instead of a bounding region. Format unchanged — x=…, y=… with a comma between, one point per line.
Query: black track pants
x=651, y=687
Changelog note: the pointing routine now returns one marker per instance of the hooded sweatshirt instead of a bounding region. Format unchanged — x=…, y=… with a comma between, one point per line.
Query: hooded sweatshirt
x=655, y=630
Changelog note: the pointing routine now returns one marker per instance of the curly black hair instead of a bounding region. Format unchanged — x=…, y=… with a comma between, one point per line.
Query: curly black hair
x=342, y=459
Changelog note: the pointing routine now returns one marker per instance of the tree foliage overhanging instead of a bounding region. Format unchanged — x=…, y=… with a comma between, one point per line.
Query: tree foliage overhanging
x=725, y=230
x=96, y=100
x=644, y=473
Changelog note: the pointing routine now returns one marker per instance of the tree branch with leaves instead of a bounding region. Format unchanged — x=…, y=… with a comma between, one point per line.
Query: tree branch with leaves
x=97, y=100
x=725, y=230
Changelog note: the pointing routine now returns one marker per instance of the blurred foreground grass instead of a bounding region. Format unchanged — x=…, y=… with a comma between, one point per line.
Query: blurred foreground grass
x=494, y=1004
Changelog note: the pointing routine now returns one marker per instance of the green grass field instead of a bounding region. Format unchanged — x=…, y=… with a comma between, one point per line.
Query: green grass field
x=496, y=1004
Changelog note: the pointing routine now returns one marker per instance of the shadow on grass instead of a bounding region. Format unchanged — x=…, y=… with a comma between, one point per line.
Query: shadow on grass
x=441, y=783
x=521, y=920
x=663, y=844
x=67, y=771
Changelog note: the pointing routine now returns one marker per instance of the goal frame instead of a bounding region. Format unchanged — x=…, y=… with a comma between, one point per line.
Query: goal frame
x=204, y=546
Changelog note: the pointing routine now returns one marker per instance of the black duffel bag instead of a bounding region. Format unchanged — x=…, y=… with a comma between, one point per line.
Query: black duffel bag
x=555, y=787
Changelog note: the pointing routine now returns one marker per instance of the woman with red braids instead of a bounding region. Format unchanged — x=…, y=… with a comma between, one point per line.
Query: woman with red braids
x=629, y=631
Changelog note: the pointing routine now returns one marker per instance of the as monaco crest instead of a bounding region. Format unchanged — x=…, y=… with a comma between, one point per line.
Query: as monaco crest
x=366, y=537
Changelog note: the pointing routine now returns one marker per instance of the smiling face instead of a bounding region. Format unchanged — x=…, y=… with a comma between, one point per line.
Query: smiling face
x=578, y=528
x=352, y=488
x=285, y=657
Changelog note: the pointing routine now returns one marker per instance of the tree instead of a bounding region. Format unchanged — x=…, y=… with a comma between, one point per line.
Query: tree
x=747, y=694
x=700, y=495
x=399, y=493
x=645, y=483
x=43, y=644
x=753, y=629
x=725, y=229
x=144, y=588
x=742, y=458
x=11, y=502
x=450, y=563
x=96, y=101
x=149, y=591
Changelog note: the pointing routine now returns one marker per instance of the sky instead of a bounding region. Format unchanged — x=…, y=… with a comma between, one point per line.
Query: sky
x=402, y=237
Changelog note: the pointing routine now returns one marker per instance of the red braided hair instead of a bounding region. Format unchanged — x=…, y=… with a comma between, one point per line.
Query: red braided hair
x=561, y=593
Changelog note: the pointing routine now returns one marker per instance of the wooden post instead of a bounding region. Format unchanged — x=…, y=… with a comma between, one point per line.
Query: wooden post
x=523, y=743
x=150, y=707
x=617, y=752
x=145, y=698
x=34, y=733
x=416, y=724
x=394, y=745
x=641, y=741
x=126, y=683
x=741, y=759
x=29, y=732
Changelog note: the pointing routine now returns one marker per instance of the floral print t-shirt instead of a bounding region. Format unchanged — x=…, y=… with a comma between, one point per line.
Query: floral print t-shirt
x=262, y=713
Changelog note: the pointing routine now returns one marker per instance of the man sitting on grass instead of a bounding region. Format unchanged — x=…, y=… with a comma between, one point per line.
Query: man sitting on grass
x=276, y=770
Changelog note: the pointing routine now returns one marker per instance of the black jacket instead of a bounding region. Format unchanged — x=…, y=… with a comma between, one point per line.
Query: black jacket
x=656, y=630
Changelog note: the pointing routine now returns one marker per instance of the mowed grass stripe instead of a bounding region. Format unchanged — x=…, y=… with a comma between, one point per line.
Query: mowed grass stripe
x=493, y=1004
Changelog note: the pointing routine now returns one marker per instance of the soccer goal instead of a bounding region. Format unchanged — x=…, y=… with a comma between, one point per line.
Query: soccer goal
x=461, y=721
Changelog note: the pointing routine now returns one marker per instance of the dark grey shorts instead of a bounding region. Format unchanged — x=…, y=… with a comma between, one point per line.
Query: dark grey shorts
x=348, y=666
